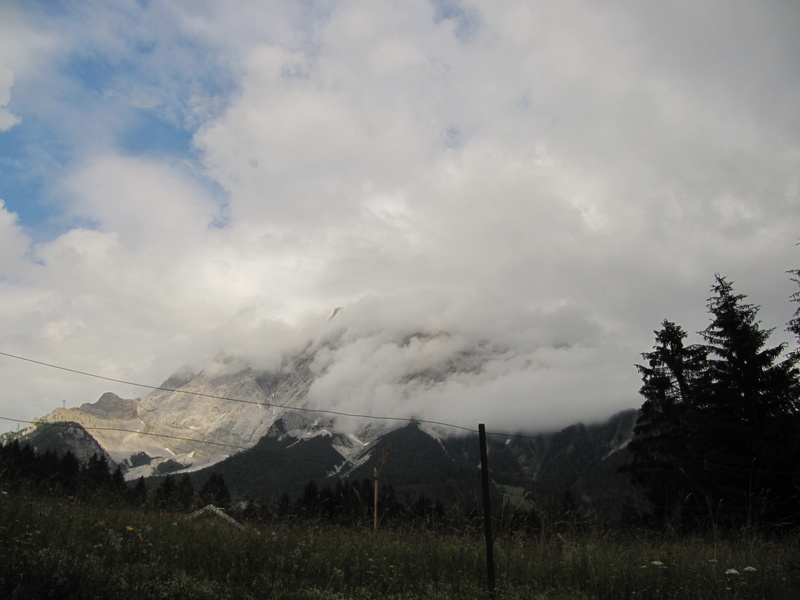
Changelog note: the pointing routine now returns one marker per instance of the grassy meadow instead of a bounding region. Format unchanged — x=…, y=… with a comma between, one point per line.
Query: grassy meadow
x=62, y=549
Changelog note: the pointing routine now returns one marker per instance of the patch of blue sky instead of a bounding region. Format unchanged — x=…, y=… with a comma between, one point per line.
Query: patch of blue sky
x=26, y=173
x=93, y=72
x=147, y=134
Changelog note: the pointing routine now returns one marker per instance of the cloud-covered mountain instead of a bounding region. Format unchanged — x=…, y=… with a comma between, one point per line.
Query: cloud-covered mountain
x=310, y=417
x=354, y=378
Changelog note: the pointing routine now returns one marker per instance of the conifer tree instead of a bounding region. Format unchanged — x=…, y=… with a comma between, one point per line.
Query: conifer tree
x=164, y=496
x=749, y=383
x=718, y=435
x=96, y=473
x=137, y=495
x=118, y=482
x=69, y=472
x=747, y=433
x=674, y=382
x=215, y=491
x=794, y=324
x=184, y=492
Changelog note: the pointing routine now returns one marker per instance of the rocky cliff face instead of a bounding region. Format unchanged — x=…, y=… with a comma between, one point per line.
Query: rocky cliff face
x=194, y=420
x=111, y=406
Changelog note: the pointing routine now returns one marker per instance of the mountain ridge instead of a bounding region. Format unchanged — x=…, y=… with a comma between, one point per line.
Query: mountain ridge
x=271, y=430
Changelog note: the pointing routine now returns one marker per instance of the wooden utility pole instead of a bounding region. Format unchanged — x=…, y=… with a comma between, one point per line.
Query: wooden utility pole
x=376, y=471
x=487, y=510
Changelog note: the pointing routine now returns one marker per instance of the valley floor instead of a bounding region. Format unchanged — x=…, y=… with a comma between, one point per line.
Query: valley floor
x=62, y=549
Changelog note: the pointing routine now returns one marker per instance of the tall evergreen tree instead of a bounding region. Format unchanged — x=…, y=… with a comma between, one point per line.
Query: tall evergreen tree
x=184, y=492
x=794, y=324
x=748, y=430
x=137, y=495
x=164, y=496
x=69, y=472
x=674, y=382
x=215, y=491
x=96, y=474
x=717, y=436
x=749, y=383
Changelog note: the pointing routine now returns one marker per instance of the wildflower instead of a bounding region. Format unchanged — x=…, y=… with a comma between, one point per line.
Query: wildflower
x=749, y=569
x=731, y=572
x=659, y=564
x=128, y=528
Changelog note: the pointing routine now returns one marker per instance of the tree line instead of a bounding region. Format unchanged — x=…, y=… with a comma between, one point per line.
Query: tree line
x=343, y=502
x=717, y=440
x=49, y=473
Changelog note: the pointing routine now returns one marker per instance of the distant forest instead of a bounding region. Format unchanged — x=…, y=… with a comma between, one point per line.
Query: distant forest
x=345, y=502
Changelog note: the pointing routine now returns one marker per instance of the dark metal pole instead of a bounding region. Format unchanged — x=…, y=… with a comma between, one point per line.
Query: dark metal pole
x=487, y=510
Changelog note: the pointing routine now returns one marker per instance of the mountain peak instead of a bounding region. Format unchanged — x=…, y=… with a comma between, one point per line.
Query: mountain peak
x=179, y=378
x=111, y=406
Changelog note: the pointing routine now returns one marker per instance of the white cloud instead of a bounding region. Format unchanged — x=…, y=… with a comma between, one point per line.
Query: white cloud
x=536, y=175
x=7, y=118
x=149, y=204
x=13, y=244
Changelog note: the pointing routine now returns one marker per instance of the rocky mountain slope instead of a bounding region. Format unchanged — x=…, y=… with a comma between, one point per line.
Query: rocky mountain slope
x=579, y=463
x=194, y=420
x=269, y=430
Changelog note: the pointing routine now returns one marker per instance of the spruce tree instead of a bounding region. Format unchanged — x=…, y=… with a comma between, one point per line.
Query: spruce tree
x=750, y=383
x=215, y=491
x=747, y=432
x=674, y=381
x=137, y=495
x=184, y=492
x=164, y=497
x=794, y=324
x=718, y=436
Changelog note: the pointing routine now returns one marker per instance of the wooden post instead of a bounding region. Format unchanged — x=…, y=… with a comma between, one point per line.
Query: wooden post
x=487, y=510
x=376, y=471
x=375, y=499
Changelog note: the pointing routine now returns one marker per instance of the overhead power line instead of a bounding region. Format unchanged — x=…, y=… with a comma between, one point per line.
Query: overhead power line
x=167, y=436
x=270, y=404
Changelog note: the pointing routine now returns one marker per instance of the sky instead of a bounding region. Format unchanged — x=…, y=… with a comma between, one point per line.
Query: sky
x=549, y=179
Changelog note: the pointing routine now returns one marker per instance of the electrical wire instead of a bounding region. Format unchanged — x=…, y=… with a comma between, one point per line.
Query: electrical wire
x=167, y=436
x=274, y=405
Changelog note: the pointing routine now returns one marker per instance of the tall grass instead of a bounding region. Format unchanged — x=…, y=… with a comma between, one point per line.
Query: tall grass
x=65, y=550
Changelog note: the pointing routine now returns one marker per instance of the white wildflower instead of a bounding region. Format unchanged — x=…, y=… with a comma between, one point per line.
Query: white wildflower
x=731, y=572
x=749, y=569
